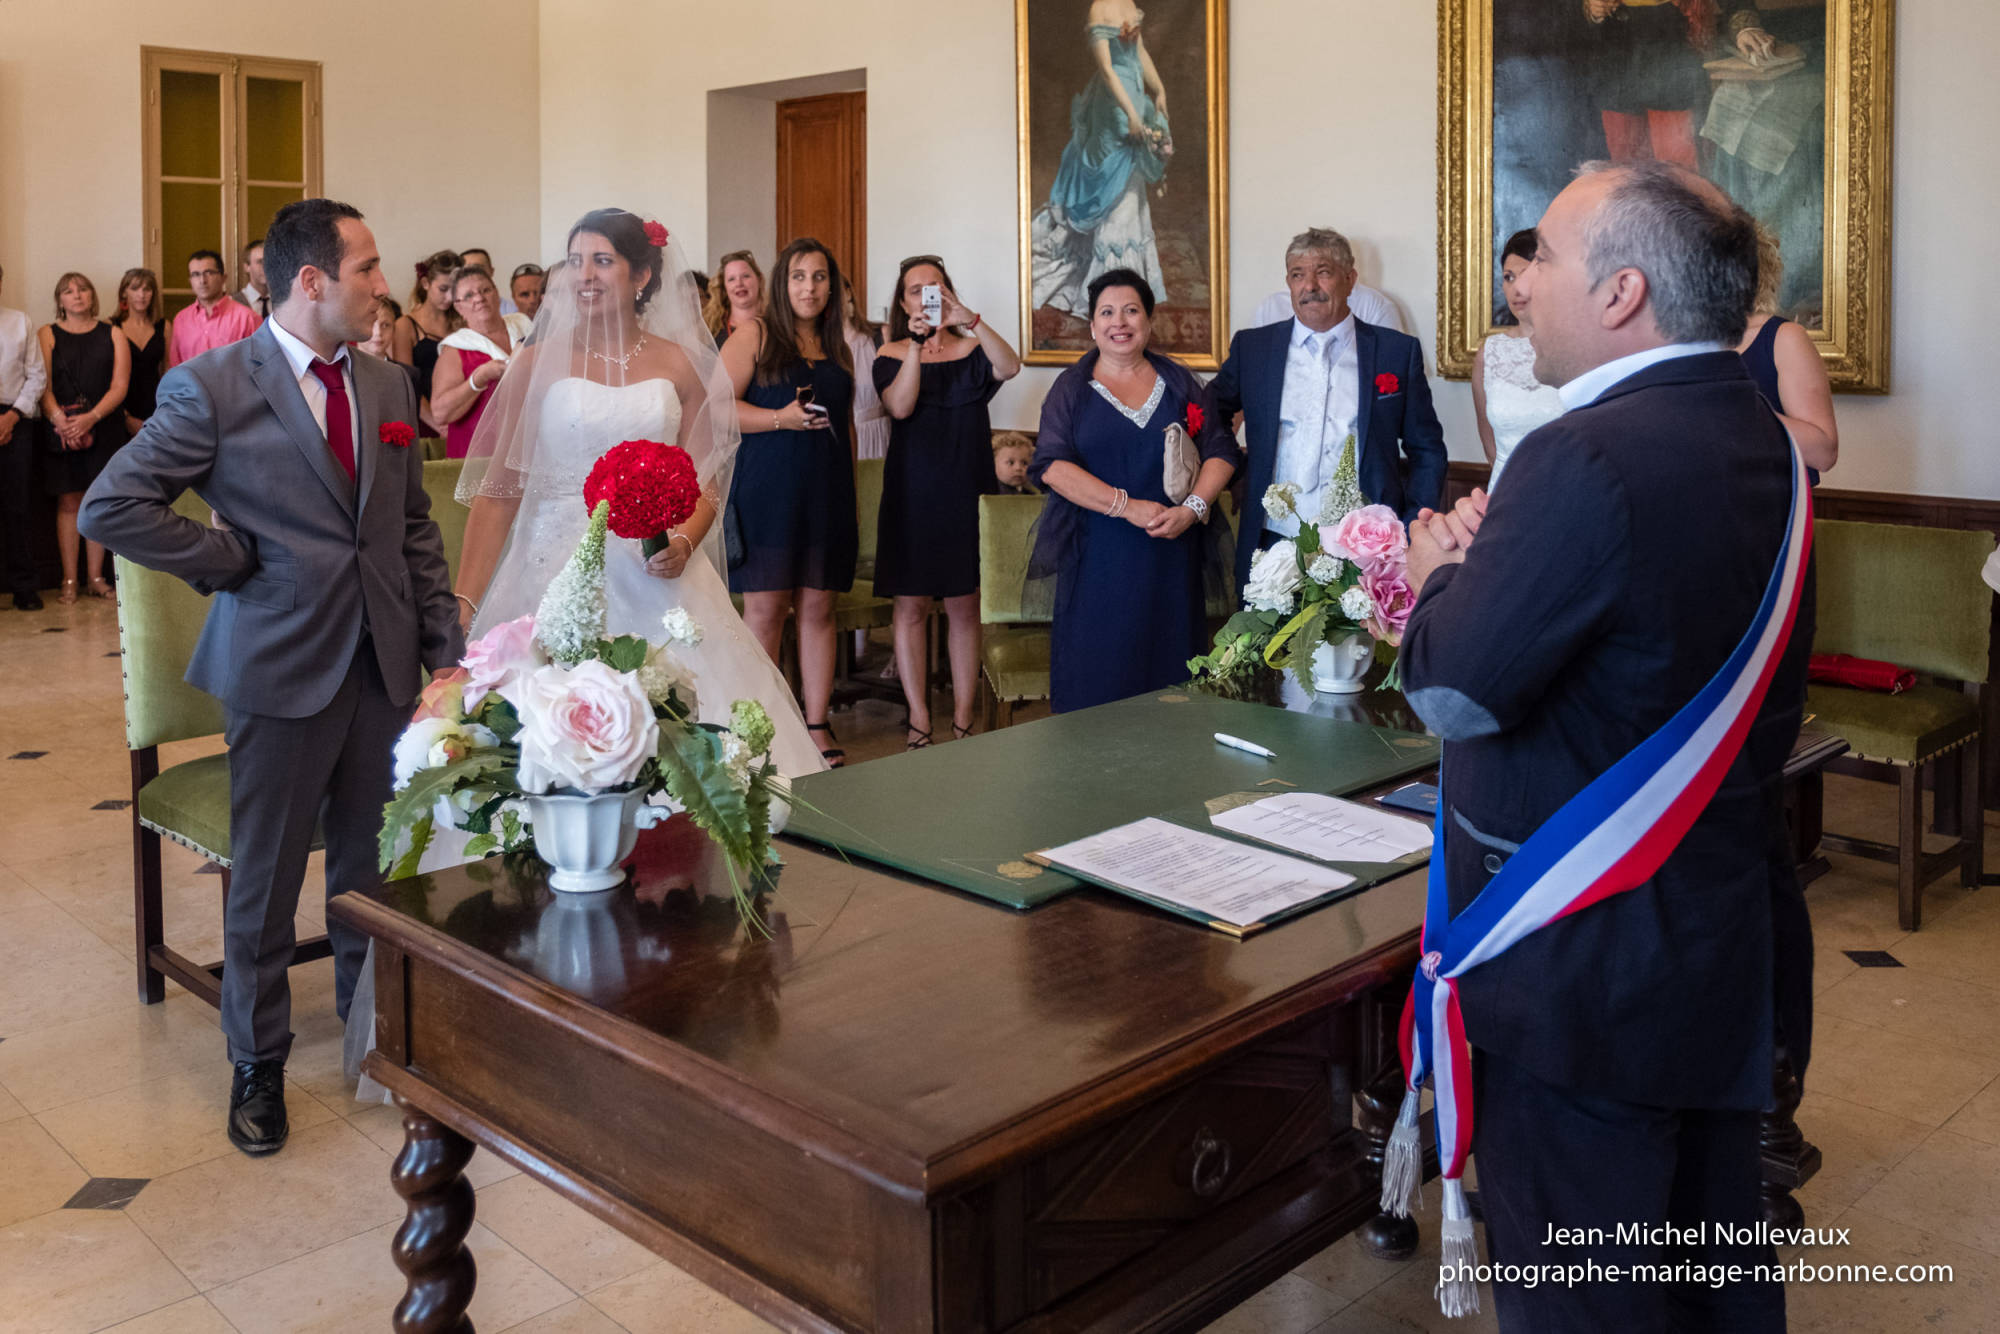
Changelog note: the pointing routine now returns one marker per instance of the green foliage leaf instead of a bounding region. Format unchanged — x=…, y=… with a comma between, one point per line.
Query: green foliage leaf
x=412, y=806
x=690, y=760
x=627, y=653
x=1308, y=637
x=483, y=846
x=420, y=840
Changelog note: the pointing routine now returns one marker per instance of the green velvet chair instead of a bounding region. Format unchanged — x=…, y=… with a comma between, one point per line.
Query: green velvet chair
x=1014, y=644
x=859, y=608
x=1911, y=596
x=159, y=620
x=440, y=482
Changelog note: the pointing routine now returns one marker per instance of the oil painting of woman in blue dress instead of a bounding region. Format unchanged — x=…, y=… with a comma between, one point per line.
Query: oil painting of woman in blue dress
x=1112, y=180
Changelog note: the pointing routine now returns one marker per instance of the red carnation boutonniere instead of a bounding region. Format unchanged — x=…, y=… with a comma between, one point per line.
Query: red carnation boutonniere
x=1196, y=418
x=399, y=434
x=1385, y=383
x=656, y=235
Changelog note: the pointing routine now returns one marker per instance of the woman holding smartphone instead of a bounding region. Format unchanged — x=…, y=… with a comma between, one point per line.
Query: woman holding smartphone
x=791, y=532
x=940, y=368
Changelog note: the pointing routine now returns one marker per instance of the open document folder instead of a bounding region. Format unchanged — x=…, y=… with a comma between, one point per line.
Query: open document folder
x=1239, y=886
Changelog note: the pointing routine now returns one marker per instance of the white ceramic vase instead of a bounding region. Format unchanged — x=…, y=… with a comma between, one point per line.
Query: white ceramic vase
x=1339, y=666
x=584, y=836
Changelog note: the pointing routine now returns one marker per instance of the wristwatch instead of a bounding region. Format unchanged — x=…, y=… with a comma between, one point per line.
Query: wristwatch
x=1198, y=505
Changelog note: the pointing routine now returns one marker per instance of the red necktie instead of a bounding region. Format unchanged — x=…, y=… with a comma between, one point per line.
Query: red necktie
x=339, y=426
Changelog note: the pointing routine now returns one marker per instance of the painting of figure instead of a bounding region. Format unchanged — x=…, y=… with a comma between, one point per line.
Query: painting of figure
x=1122, y=146
x=1734, y=89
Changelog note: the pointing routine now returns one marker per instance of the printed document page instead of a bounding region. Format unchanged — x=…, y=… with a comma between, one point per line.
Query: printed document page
x=1209, y=876
x=1327, y=828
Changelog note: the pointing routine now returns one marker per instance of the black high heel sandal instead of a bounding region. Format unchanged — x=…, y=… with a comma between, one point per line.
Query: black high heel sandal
x=960, y=733
x=835, y=757
x=918, y=740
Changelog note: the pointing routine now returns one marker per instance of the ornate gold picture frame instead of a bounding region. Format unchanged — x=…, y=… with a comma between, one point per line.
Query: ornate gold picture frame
x=1095, y=195
x=1785, y=103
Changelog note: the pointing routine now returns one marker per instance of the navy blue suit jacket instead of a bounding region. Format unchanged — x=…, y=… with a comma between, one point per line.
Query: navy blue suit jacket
x=1612, y=577
x=1400, y=446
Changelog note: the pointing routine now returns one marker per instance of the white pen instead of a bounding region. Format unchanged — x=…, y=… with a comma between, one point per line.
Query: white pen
x=1238, y=743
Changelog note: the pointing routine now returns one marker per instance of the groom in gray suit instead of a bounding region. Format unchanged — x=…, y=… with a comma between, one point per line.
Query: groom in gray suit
x=331, y=598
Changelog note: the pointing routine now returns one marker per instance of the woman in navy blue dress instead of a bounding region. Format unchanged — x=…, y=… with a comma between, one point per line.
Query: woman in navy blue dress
x=1128, y=563
x=1781, y=358
x=792, y=534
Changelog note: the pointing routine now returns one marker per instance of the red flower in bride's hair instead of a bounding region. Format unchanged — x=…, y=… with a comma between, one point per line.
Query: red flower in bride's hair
x=1195, y=418
x=399, y=434
x=651, y=487
x=1385, y=383
x=656, y=235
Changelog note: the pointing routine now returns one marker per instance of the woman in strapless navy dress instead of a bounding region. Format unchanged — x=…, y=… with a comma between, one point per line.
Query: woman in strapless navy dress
x=790, y=523
x=1781, y=358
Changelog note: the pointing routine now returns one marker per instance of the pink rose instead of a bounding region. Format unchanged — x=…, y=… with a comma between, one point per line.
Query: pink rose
x=500, y=658
x=1374, y=537
x=1394, y=601
x=586, y=727
x=443, y=697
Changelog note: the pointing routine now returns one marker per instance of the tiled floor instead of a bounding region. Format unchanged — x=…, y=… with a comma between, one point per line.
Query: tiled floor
x=123, y=1206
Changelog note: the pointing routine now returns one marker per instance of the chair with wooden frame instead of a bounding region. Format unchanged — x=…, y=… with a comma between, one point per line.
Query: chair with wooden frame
x=1912, y=596
x=1014, y=644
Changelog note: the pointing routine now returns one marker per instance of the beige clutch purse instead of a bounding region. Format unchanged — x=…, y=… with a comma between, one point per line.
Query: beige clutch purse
x=1178, y=464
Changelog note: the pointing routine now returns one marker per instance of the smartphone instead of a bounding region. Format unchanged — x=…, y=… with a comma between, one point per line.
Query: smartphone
x=933, y=299
x=816, y=414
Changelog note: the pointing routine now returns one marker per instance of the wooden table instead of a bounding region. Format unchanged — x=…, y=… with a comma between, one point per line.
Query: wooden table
x=903, y=1110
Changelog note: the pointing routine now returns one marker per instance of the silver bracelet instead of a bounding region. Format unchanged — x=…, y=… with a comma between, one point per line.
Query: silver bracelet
x=1118, y=502
x=468, y=602
x=1198, y=505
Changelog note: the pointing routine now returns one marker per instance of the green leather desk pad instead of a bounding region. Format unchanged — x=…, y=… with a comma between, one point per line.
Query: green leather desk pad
x=967, y=813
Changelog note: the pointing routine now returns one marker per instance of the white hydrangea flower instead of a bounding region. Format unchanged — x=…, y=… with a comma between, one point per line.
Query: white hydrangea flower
x=1281, y=499
x=1356, y=605
x=1325, y=568
x=1274, y=579
x=736, y=759
x=663, y=672
x=681, y=627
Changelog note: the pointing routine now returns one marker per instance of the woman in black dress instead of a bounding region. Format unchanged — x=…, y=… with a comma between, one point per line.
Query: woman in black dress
x=429, y=321
x=792, y=533
x=148, y=334
x=935, y=384
x=1781, y=358
x=89, y=365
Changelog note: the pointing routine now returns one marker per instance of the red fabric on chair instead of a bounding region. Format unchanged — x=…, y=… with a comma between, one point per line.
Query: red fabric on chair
x=1844, y=669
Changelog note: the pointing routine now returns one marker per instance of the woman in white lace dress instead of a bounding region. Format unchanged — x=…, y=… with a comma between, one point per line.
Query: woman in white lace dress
x=1506, y=397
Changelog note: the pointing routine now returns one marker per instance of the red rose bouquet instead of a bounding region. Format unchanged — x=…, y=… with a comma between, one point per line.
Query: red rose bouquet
x=650, y=487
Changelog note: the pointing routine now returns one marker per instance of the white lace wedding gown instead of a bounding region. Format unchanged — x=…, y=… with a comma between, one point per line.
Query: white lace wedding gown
x=1516, y=402
x=580, y=420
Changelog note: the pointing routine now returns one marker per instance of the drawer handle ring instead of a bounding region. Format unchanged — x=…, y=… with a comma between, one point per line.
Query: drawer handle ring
x=1211, y=1164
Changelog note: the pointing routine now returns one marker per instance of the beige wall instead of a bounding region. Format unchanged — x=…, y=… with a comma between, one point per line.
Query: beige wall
x=401, y=143
x=1333, y=112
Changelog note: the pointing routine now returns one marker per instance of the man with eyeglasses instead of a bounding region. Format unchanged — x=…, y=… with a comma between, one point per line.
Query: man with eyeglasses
x=526, y=289
x=215, y=319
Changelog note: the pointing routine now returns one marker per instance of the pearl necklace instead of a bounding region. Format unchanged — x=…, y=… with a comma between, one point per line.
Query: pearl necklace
x=622, y=362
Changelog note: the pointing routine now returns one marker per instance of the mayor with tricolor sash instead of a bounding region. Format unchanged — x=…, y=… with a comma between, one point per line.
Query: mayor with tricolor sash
x=1614, y=652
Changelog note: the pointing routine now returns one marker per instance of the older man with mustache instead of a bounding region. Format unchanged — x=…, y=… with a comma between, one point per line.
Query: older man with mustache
x=1308, y=385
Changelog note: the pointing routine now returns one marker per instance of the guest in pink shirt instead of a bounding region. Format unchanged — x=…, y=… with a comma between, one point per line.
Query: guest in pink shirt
x=214, y=319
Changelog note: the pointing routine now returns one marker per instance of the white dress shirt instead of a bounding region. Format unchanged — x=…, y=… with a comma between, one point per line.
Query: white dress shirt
x=1364, y=303
x=254, y=299
x=1588, y=387
x=302, y=358
x=1321, y=397
x=22, y=371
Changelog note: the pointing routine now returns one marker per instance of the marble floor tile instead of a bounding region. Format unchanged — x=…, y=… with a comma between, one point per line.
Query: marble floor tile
x=1359, y=1319
x=1349, y=1272
x=1292, y=1305
x=16, y=893
x=1920, y=1003
x=1948, y=1186
x=661, y=1299
x=1969, y=951
x=75, y=1270
x=1964, y=1305
x=234, y=1216
x=354, y=1285
x=158, y=1127
x=53, y=990
x=10, y=1107
x=35, y=1174
x=1909, y=1077
x=193, y=1316
x=573, y=1317
x=1858, y=1145
x=1980, y=1118
x=69, y=1062
x=583, y=1253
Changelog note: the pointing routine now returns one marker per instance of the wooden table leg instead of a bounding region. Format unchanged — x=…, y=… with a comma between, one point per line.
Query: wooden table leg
x=1376, y=1105
x=1788, y=1160
x=430, y=1246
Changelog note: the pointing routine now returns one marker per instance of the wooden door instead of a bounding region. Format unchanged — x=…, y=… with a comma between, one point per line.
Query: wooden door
x=823, y=178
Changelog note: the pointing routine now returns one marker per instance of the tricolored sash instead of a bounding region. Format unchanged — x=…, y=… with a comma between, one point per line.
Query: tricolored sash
x=1609, y=838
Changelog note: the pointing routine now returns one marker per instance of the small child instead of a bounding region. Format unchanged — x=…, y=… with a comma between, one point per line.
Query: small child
x=1012, y=452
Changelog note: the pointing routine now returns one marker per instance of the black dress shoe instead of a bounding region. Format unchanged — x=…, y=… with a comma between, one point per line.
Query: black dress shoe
x=27, y=602
x=257, y=1121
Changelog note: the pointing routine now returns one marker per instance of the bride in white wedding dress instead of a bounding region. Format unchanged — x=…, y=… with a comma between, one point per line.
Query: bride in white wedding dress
x=619, y=352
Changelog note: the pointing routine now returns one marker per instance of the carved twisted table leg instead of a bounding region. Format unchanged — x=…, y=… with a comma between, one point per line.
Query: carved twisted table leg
x=430, y=1246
